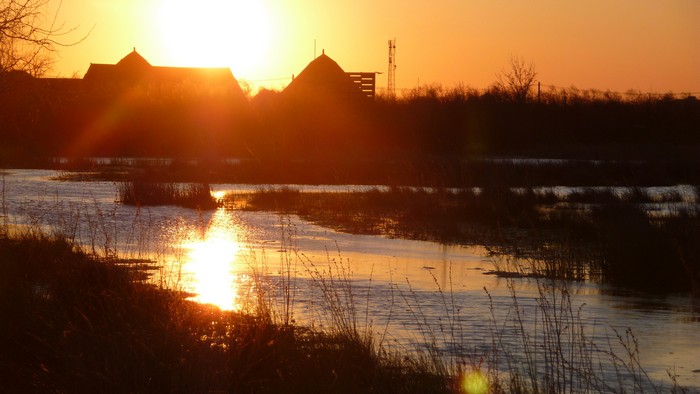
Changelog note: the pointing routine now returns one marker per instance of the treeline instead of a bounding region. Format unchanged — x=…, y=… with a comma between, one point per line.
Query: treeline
x=42, y=118
x=560, y=123
x=435, y=122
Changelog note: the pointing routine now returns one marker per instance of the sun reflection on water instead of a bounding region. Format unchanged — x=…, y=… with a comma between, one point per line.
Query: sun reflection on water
x=212, y=262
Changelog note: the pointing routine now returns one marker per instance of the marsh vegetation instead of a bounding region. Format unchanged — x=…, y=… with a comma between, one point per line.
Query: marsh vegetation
x=72, y=322
x=82, y=318
x=144, y=193
x=585, y=235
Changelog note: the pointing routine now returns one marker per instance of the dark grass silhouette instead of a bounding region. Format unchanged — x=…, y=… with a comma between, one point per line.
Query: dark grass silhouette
x=145, y=193
x=73, y=323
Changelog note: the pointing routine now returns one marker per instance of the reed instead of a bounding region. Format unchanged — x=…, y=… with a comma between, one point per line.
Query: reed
x=5, y=223
x=555, y=351
x=145, y=193
x=549, y=346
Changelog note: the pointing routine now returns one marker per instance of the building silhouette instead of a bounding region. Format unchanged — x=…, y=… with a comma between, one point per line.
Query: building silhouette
x=135, y=70
x=323, y=77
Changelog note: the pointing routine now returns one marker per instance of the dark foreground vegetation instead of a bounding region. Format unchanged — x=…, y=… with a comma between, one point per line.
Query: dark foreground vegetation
x=73, y=322
x=590, y=234
x=76, y=323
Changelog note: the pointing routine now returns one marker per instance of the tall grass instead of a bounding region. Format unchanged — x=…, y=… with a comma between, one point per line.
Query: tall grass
x=144, y=193
x=547, y=347
x=75, y=323
x=3, y=213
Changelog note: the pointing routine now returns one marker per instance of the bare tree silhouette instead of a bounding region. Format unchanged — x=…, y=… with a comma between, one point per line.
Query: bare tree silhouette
x=29, y=35
x=516, y=83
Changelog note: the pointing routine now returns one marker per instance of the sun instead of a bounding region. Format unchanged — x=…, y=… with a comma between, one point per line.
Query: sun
x=215, y=33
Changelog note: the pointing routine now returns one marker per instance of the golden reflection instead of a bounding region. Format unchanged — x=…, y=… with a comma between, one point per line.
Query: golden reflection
x=211, y=262
x=219, y=194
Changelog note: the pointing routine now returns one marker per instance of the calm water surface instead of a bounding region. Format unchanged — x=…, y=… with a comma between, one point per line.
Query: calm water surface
x=406, y=290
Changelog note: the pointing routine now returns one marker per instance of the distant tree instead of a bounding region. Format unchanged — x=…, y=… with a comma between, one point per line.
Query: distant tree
x=516, y=83
x=29, y=35
x=247, y=88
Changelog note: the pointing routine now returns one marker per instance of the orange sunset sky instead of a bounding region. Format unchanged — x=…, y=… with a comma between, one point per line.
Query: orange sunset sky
x=649, y=45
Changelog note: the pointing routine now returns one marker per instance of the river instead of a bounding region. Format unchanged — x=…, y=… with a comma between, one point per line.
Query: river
x=414, y=295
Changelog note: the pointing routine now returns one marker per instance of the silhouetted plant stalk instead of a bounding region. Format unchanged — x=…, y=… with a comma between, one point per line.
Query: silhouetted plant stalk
x=545, y=347
x=554, y=350
x=5, y=224
x=339, y=299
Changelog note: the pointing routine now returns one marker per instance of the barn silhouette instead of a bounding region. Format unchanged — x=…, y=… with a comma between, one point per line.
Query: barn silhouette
x=134, y=69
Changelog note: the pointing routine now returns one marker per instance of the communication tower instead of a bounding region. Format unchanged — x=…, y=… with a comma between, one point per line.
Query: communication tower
x=391, y=83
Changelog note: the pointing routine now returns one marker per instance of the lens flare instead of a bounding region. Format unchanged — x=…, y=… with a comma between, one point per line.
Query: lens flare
x=475, y=383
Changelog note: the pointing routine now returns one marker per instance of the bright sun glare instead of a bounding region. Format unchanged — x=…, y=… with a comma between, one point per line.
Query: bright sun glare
x=215, y=33
x=211, y=260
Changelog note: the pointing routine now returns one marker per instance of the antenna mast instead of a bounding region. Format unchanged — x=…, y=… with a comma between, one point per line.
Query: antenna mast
x=391, y=83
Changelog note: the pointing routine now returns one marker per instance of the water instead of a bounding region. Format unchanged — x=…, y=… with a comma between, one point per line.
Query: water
x=408, y=291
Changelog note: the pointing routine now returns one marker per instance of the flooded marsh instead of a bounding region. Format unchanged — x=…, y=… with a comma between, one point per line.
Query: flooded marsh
x=422, y=296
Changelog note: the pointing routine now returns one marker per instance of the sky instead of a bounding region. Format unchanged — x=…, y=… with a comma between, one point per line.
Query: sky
x=616, y=45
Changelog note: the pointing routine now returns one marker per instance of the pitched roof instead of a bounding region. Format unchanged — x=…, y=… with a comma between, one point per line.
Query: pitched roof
x=323, y=76
x=133, y=69
x=134, y=60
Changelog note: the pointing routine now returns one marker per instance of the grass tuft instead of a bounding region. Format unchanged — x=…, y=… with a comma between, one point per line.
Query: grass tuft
x=146, y=193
